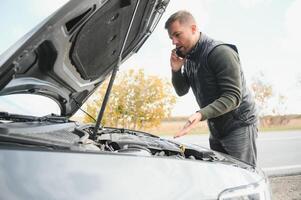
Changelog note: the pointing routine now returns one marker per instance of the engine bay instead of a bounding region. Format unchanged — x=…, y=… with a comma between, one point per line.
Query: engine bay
x=131, y=142
x=74, y=137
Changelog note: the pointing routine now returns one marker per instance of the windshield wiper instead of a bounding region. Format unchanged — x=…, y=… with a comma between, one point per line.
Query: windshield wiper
x=54, y=118
x=16, y=118
x=23, y=142
x=28, y=118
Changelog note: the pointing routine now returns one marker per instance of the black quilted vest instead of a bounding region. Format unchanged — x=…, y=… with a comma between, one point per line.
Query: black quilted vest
x=203, y=83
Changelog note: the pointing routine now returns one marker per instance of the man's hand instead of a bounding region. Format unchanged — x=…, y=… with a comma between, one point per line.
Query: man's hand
x=175, y=61
x=190, y=124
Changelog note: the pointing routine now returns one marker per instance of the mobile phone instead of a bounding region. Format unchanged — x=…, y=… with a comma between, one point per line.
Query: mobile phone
x=179, y=53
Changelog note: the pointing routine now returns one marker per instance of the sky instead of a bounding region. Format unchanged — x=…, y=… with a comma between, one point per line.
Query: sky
x=266, y=32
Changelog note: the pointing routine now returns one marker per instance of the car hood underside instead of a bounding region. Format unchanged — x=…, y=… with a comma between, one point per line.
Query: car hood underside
x=70, y=53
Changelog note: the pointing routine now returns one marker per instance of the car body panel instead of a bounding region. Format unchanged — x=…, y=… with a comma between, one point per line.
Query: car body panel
x=63, y=175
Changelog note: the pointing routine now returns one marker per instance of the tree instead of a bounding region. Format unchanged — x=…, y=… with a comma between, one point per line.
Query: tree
x=281, y=107
x=263, y=92
x=136, y=101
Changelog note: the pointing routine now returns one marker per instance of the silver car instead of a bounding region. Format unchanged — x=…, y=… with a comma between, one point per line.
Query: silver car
x=64, y=59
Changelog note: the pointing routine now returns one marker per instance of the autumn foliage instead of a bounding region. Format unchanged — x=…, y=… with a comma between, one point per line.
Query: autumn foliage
x=136, y=101
x=271, y=113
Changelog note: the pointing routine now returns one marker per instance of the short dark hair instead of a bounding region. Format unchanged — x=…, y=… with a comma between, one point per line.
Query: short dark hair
x=182, y=16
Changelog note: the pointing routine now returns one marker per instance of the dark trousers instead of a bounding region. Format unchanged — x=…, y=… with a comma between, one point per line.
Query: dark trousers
x=239, y=143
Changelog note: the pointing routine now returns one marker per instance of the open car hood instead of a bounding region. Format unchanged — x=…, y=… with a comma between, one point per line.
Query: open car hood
x=70, y=53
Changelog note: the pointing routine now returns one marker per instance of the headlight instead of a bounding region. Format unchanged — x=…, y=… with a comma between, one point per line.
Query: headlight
x=256, y=191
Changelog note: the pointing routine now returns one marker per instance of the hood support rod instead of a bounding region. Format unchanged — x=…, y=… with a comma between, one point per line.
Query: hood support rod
x=115, y=69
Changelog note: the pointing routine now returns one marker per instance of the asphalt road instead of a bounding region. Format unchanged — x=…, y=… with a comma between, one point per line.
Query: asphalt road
x=278, y=152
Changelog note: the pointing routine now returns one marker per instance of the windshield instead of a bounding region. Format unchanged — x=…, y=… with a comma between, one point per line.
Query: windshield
x=29, y=104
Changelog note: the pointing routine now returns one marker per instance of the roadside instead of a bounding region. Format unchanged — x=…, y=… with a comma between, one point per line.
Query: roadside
x=286, y=188
x=169, y=127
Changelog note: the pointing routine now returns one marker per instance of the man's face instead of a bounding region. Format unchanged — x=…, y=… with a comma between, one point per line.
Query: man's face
x=182, y=35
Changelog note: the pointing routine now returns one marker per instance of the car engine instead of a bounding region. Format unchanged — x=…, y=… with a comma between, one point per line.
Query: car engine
x=74, y=137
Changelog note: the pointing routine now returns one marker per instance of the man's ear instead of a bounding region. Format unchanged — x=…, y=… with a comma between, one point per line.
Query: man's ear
x=193, y=28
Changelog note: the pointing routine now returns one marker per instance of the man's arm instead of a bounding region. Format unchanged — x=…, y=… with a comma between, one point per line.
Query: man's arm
x=225, y=63
x=179, y=82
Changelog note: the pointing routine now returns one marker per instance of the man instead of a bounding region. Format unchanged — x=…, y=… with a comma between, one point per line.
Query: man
x=212, y=69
